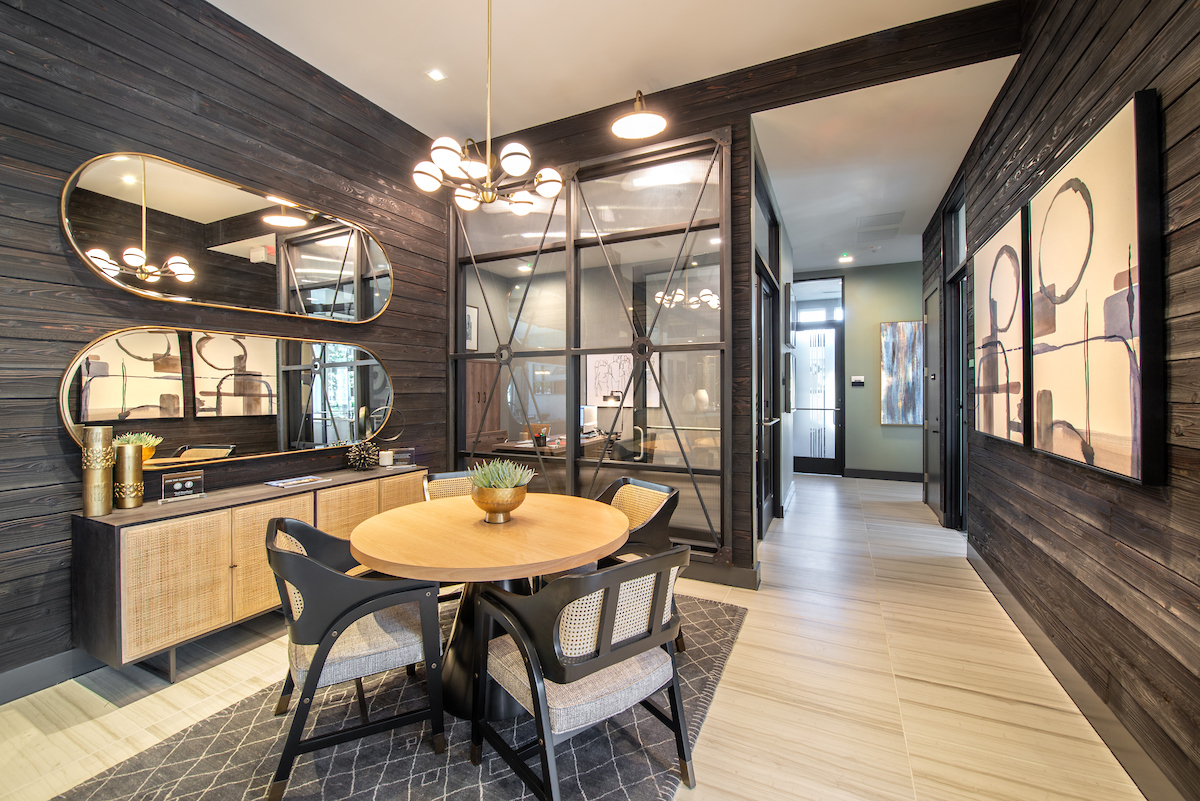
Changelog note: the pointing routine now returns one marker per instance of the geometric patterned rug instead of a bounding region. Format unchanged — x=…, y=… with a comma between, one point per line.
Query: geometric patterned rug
x=232, y=754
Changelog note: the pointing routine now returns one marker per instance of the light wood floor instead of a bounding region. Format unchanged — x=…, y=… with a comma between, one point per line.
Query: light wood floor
x=873, y=664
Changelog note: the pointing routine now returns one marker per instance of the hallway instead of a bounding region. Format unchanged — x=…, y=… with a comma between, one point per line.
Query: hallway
x=902, y=676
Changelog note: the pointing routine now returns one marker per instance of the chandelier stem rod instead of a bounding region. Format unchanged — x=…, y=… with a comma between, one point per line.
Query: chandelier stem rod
x=488, y=157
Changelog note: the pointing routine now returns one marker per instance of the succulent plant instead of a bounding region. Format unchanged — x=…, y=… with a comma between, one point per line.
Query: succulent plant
x=500, y=474
x=143, y=438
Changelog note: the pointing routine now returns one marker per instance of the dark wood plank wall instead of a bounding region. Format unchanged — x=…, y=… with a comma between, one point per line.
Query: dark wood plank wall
x=179, y=79
x=954, y=40
x=1108, y=569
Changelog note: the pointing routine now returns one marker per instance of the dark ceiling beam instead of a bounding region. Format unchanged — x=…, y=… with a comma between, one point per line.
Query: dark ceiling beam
x=952, y=40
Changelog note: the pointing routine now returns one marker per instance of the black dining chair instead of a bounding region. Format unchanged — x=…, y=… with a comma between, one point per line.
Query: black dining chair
x=649, y=507
x=342, y=628
x=447, y=485
x=584, y=648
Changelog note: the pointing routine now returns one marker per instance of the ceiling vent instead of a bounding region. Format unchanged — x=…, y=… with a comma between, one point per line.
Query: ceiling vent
x=880, y=220
x=878, y=235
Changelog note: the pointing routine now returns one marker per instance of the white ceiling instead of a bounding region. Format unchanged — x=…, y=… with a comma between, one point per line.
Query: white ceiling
x=876, y=151
x=170, y=188
x=552, y=58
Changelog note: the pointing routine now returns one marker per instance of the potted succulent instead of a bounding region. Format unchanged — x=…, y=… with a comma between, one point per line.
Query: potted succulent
x=498, y=487
x=147, y=440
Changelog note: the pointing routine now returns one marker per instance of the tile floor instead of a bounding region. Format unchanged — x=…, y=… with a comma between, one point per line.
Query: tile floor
x=873, y=664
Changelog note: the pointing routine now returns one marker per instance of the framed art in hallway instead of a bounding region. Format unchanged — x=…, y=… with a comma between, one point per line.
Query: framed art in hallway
x=902, y=382
x=999, y=289
x=1096, y=301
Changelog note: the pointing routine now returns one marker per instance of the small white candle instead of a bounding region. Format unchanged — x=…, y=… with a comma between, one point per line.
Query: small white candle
x=386, y=458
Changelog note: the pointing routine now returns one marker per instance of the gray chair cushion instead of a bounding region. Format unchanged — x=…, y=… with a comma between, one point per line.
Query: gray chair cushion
x=385, y=640
x=591, y=699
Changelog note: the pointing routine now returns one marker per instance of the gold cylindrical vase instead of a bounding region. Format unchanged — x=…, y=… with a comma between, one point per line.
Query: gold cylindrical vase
x=128, y=488
x=97, y=471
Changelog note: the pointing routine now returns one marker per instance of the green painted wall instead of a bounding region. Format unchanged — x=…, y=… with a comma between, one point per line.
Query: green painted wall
x=873, y=295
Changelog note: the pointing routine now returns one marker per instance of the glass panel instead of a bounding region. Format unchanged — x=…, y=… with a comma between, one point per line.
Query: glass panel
x=816, y=394
x=532, y=396
x=633, y=408
x=762, y=232
x=543, y=320
x=492, y=228
x=326, y=268
x=690, y=305
x=647, y=197
x=689, y=519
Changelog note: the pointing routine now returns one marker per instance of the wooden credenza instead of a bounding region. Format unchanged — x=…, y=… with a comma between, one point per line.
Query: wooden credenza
x=149, y=579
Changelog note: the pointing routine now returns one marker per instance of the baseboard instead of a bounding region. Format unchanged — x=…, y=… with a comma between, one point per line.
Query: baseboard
x=1149, y=778
x=788, y=496
x=28, y=679
x=886, y=475
x=745, y=577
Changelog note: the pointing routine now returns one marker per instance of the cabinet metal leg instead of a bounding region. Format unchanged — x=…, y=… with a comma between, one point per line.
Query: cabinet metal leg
x=161, y=665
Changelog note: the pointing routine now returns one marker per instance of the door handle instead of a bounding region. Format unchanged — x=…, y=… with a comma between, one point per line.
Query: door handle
x=771, y=422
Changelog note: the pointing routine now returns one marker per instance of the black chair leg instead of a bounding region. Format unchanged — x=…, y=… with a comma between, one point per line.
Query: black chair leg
x=481, y=671
x=680, y=643
x=431, y=646
x=411, y=670
x=285, y=697
x=291, y=746
x=362, y=701
x=549, y=762
x=681, y=732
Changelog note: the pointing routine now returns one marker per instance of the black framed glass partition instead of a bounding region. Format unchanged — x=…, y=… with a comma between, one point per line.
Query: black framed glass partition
x=600, y=320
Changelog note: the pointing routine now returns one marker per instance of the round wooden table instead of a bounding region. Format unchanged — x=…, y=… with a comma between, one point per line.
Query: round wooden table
x=448, y=540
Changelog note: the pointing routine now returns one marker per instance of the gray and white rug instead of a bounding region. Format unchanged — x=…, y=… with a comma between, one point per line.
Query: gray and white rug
x=232, y=754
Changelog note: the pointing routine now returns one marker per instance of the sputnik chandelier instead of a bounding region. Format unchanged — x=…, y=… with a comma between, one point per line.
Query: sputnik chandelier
x=475, y=177
x=136, y=262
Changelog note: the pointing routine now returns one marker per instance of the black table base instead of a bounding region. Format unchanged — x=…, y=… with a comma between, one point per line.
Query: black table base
x=458, y=685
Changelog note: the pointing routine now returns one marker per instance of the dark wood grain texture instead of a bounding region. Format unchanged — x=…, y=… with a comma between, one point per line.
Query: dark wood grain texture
x=1108, y=568
x=183, y=81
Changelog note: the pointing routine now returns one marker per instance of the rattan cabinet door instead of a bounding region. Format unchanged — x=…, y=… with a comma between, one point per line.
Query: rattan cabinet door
x=253, y=583
x=174, y=582
x=400, y=490
x=340, y=509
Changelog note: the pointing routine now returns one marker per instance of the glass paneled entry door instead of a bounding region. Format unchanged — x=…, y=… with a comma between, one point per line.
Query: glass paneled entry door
x=818, y=422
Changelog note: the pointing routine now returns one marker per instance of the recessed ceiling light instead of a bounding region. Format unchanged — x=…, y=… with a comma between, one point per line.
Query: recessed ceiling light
x=716, y=240
x=845, y=259
x=436, y=74
x=526, y=268
x=129, y=179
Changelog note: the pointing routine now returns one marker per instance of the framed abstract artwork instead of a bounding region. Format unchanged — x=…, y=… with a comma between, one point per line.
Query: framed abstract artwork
x=235, y=375
x=133, y=375
x=471, y=329
x=999, y=278
x=901, y=373
x=1096, y=302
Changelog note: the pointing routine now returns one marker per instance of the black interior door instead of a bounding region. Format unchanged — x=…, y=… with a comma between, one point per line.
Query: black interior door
x=768, y=400
x=933, y=421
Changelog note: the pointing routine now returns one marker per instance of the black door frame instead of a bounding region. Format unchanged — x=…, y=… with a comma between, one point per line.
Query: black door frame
x=768, y=500
x=837, y=465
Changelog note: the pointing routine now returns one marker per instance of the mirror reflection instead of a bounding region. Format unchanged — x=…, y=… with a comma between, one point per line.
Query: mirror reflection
x=214, y=395
x=165, y=231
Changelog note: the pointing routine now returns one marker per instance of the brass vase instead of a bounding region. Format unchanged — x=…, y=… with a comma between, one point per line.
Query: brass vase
x=97, y=471
x=497, y=502
x=127, y=477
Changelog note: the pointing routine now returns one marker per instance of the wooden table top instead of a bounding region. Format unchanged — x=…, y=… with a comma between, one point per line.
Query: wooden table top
x=448, y=540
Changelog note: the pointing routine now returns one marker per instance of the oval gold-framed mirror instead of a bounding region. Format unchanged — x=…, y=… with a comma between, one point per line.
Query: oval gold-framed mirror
x=215, y=396
x=168, y=232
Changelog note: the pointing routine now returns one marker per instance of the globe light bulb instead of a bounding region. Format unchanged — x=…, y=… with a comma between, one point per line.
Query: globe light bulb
x=522, y=203
x=515, y=159
x=639, y=123
x=446, y=153
x=548, y=182
x=427, y=176
x=474, y=169
x=466, y=198
x=104, y=261
x=180, y=268
x=134, y=257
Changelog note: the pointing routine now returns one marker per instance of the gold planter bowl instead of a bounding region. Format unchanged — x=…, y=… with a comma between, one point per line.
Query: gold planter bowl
x=148, y=452
x=497, y=502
